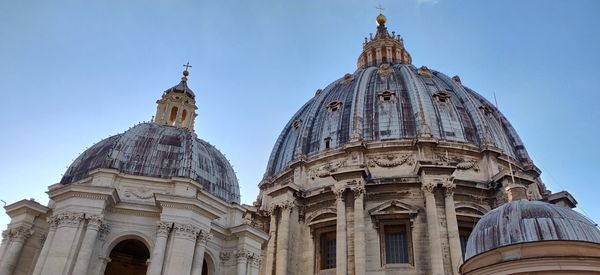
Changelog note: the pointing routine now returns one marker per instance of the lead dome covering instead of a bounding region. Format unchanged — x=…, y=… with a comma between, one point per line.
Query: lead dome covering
x=525, y=221
x=153, y=150
x=393, y=102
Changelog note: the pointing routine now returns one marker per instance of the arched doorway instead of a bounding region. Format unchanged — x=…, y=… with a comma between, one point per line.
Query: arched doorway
x=128, y=257
x=208, y=266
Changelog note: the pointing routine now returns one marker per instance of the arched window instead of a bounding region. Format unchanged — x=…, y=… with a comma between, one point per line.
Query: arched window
x=184, y=118
x=173, y=116
x=128, y=257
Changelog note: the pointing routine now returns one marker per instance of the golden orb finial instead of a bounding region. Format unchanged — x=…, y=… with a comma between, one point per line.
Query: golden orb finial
x=380, y=19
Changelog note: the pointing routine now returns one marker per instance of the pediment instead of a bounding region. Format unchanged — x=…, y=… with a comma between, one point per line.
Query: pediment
x=394, y=207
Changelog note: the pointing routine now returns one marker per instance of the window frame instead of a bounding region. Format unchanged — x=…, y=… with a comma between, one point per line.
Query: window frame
x=407, y=224
x=322, y=229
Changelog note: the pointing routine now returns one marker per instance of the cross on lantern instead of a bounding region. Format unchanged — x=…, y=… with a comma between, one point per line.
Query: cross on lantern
x=380, y=8
x=187, y=66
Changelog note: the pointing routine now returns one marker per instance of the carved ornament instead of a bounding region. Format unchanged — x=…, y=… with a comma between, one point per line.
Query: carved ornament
x=385, y=70
x=68, y=219
x=428, y=187
x=326, y=170
x=19, y=233
x=391, y=160
x=186, y=231
x=347, y=79
x=225, y=256
x=203, y=237
x=459, y=162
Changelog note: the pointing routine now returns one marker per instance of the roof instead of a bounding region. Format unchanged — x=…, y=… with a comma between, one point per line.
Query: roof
x=153, y=150
x=393, y=102
x=525, y=221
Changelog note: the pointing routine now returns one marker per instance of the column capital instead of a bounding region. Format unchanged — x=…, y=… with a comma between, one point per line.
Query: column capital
x=103, y=231
x=255, y=261
x=338, y=191
x=20, y=233
x=68, y=219
x=203, y=237
x=449, y=187
x=285, y=204
x=95, y=222
x=358, y=190
x=428, y=187
x=186, y=231
x=243, y=255
x=163, y=228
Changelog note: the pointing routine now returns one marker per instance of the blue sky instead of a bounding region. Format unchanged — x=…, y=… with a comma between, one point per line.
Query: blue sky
x=74, y=72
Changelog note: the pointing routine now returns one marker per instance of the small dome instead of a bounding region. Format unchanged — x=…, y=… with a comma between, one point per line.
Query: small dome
x=525, y=221
x=182, y=87
x=153, y=150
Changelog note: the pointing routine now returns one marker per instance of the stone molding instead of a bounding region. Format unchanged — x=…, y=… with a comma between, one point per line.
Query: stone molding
x=186, y=231
x=68, y=219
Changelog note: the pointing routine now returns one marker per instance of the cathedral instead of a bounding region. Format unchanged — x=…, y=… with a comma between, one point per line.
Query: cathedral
x=392, y=169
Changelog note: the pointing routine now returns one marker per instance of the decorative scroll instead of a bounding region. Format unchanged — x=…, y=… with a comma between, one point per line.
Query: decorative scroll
x=459, y=162
x=325, y=170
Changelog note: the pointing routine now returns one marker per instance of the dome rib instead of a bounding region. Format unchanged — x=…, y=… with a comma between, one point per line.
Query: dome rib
x=153, y=150
x=525, y=221
x=413, y=111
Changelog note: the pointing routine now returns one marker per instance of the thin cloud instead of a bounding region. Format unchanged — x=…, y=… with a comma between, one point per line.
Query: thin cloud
x=428, y=2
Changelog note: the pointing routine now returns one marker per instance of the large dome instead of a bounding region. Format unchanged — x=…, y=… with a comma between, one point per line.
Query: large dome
x=525, y=221
x=393, y=102
x=153, y=150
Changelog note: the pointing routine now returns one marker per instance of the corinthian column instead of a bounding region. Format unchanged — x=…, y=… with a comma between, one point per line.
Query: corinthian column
x=158, y=253
x=47, y=243
x=201, y=241
x=181, y=253
x=283, y=239
x=452, y=226
x=359, y=230
x=87, y=246
x=242, y=256
x=271, y=242
x=435, y=244
x=64, y=238
x=341, y=266
x=17, y=237
x=254, y=264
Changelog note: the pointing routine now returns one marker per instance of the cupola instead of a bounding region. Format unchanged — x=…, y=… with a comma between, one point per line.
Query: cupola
x=384, y=48
x=177, y=106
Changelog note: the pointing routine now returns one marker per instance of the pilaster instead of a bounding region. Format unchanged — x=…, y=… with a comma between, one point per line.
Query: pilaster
x=17, y=236
x=452, y=227
x=435, y=245
x=158, y=253
x=341, y=267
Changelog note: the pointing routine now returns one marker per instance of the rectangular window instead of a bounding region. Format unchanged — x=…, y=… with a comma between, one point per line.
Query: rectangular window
x=396, y=244
x=327, y=250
